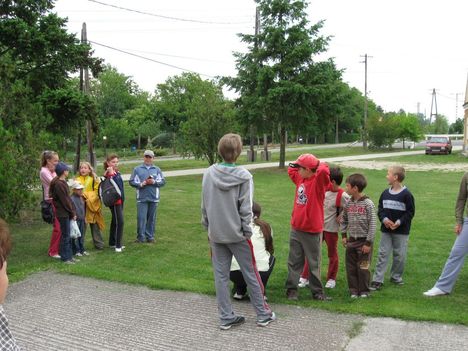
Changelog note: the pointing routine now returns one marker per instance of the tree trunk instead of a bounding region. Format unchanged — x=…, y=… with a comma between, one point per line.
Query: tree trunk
x=282, y=158
x=139, y=141
x=76, y=166
x=174, y=143
x=336, y=131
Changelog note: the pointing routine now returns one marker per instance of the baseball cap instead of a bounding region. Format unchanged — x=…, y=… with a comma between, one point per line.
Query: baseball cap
x=77, y=186
x=307, y=161
x=149, y=153
x=60, y=168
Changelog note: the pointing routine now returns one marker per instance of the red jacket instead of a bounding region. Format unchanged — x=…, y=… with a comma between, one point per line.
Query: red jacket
x=307, y=215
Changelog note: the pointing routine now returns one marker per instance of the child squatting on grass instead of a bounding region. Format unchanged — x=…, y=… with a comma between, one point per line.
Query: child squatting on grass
x=396, y=210
x=358, y=232
x=227, y=214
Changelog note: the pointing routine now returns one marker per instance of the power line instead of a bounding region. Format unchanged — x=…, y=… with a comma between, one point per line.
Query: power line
x=177, y=56
x=162, y=16
x=149, y=59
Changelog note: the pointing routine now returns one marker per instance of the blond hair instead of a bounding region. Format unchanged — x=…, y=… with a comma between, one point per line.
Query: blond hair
x=91, y=169
x=398, y=171
x=230, y=147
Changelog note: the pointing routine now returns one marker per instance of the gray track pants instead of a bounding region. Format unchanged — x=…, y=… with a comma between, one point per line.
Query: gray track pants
x=221, y=256
x=455, y=261
x=395, y=244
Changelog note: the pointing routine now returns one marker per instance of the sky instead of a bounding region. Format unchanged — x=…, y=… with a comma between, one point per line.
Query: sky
x=413, y=46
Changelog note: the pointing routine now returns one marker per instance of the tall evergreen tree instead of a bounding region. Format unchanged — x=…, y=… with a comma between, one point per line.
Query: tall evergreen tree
x=279, y=80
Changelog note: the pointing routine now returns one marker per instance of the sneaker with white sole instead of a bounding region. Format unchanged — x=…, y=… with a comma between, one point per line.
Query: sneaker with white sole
x=330, y=284
x=266, y=321
x=85, y=253
x=79, y=254
x=237, y=321
x=238, y=296
x=303, y=282
x=434, y=292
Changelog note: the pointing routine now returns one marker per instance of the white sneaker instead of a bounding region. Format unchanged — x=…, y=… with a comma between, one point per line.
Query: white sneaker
x=434, y=292
x=237, y=296
x=303, y=282
x=118, y=249
x=330, y=284
x=56, y=256
x=79, y=254
x=85, y=253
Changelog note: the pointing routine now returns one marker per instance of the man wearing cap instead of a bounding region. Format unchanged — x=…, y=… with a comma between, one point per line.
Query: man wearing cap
x=65, y=211
x=147, y=179
x=312, y=180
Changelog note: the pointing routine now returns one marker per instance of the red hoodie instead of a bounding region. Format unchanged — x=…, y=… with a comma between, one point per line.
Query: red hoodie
x=307, y=215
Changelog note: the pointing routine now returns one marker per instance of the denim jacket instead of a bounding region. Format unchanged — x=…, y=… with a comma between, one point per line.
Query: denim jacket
x=149, y=192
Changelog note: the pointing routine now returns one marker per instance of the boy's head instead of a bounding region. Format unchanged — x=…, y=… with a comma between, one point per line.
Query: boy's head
x=62, y=169
x=77, y=188
x=395, y=174
x=355, y=184
x=336, y=175
x=230, y=147
x=307, y=164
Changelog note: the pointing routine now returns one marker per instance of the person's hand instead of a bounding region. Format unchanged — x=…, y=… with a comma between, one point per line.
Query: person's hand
x=149, y=181
x=395, y=225
x=142, y=184
x=458, y=228
x=388, y=223
x=344, y=241
x=365, y=249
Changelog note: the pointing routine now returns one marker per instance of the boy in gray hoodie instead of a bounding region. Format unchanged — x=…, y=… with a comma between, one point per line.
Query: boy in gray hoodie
x=226, y=214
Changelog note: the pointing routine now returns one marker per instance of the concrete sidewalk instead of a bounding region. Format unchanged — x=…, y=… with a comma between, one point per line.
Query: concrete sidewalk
x=51, y=311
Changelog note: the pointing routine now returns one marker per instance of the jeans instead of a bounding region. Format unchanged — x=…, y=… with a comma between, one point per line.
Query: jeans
x=78, y=244
x=65, y=240
x=455, y=261
x=146, y=217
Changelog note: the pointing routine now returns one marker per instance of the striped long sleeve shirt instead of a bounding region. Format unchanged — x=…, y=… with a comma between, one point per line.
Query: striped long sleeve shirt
x=359, y=219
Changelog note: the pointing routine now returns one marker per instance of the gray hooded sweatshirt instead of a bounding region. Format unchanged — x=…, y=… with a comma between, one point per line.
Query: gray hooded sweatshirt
x=227, y=203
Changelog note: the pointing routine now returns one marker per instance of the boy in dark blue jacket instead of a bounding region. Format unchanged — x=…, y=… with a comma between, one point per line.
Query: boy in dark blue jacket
x=396, y=210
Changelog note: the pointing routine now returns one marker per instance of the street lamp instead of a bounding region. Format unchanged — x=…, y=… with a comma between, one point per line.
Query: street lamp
x=104, y=139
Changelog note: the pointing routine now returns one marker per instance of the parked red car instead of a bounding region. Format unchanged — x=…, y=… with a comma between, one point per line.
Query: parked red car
x=439, y=145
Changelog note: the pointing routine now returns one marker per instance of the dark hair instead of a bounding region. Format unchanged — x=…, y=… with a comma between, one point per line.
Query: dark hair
x=230, y=147
x=109, y=158
x=264, y=227
x=47, y=155
x=336, y=174
x=357, y=180
x=5, y=242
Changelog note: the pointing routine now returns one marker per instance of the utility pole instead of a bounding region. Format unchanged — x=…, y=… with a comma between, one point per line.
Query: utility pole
x=251, y=154
x=84, y=84
x=433, y=104
x=456, y=104
x=364, y=131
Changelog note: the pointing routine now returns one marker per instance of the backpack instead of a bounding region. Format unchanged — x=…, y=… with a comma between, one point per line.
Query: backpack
x=109, y=192
x=338, y=201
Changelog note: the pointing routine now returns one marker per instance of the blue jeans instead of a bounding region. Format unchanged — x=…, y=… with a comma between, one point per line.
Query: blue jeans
x=65, y=249
x=78, y=244
x=146, y=217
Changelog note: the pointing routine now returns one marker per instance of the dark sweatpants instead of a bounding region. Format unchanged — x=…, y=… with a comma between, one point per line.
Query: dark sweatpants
x=240, y=286
x=357, y=267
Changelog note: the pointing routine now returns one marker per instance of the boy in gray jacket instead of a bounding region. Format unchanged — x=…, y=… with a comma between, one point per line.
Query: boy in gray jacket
x=226, y=214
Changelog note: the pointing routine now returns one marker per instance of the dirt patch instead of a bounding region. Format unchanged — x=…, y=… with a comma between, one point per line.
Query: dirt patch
x=448, y=167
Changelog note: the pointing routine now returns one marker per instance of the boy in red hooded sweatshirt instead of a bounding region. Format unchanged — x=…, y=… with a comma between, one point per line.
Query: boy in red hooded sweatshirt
x=312, y=179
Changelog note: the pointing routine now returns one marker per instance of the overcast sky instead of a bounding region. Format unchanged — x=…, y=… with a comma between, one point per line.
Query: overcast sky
x=415, y=45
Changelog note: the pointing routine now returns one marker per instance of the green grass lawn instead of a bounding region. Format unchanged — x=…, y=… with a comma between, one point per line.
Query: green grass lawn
x=181, y=260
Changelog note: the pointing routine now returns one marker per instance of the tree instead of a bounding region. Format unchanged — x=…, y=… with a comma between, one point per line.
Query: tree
x=408, y=127
x=196, y=109
x=440, y=125
x=457, y=127
x=381, y=131
x=37, y=54
x=278, y=80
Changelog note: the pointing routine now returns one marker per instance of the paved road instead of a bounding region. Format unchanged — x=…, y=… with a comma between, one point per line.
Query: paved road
x=50, y=311
x=275, y=164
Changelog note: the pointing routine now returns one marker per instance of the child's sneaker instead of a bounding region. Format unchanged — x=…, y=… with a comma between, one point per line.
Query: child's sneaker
x=79, y=254
x=118, y=249
x=237, y=296
x=354, y=296
x=266, y=321
x=237, y=321
x=397, y=282
x=375, y=286
x=434, y=292
x=303, y=282
x=364, y=295
x=330, y=284
x=85, y=253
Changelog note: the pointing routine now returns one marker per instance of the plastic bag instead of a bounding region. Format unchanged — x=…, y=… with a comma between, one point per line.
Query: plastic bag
x=74, y=230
